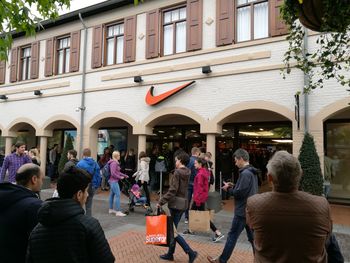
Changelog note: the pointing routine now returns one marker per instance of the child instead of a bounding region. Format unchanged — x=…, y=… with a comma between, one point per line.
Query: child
x=137, y=198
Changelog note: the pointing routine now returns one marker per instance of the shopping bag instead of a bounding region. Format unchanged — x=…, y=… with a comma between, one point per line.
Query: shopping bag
x=199, y=221
x=159, y=230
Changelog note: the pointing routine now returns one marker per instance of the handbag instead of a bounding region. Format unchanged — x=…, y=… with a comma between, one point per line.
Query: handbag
x=199, y=221
x=159, y=229
x=179, y=203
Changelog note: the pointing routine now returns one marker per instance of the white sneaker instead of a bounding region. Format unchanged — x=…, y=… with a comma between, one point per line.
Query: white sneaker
x=111, y=211
x=118, y=213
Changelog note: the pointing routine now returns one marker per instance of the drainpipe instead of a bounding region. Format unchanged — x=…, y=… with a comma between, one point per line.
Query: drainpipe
x=306, y=82
x=83, y=81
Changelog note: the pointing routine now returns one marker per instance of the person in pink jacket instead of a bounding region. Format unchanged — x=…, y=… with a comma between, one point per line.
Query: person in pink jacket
x=116, y=175
x=200, y=192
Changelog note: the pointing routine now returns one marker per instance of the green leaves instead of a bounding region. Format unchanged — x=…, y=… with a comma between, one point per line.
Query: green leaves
x=331, y=58
x=17, y=16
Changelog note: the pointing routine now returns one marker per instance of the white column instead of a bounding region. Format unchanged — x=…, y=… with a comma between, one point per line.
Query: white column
x=211, y=139
x=8, y=145
x=141, y=143
x=43, y=151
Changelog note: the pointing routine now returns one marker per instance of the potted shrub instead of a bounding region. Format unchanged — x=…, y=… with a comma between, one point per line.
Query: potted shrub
x=332, y=57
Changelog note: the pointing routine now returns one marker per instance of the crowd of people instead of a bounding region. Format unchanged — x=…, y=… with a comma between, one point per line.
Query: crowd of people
x=62, y=229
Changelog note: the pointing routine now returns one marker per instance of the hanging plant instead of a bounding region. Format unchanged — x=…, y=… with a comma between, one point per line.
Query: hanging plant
x=331, y=59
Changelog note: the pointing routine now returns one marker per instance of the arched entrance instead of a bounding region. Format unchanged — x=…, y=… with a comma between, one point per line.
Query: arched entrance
x=259, y=131
x=336, y=129
x=24, y=130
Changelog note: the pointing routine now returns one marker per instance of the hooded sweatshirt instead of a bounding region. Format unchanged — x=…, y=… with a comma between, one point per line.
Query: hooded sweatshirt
x=18, y=216
x=67, y=235
x=201, y=186
x=116, y=174
x=246, y=186
x=90, y=165
x=143, y=172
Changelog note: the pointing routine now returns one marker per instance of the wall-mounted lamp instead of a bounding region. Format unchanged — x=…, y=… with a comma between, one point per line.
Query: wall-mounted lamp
x=38, y=93
x=80, y=109
x=206, y=70
x=138, y=79
x=3, y=97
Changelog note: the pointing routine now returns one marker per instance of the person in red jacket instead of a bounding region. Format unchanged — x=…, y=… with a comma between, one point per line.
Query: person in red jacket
x=200, y=192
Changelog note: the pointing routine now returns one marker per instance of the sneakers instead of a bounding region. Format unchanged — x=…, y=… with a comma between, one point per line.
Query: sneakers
x=218, y=238
x=186, y=220
x=188, y=232
x=118, y=213
x=213, y=260
x=111, y=211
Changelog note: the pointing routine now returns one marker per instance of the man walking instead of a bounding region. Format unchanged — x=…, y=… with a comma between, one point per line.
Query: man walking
x=72, y=160
x=64, y=233
x=246, y=186
x=13, y=161
x=289, y=225
x=19, y=204
x=91, y=166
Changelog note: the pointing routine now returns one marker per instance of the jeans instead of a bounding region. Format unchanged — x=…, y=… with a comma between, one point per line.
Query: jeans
x=238, y=224
x=176, y=215
x=189, y=197
x=115, y=191
x=327, y=189
x=88, y=204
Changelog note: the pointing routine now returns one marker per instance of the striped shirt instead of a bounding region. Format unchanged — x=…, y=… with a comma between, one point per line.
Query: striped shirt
x=11, y=163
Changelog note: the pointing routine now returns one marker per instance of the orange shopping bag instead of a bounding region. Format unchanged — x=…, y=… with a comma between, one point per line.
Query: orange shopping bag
x=156, y=230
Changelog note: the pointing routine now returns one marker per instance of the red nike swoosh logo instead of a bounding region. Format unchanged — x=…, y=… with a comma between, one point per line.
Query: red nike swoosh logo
x=153, y=100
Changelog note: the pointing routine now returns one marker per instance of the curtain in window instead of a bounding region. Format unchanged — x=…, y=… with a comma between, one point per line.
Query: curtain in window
x=110, y=51
x=24, y=67
x=181, y=37
x=168, y=40
x=67, y=59
x=261, y=22
x=243, y=24
x=60, y=62
x=120, y=47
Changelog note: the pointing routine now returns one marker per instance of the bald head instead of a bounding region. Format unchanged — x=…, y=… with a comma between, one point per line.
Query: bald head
x=29, y=174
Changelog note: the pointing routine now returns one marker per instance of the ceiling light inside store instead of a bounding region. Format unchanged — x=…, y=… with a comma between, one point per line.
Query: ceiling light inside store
x=283, y=141
x=161, y=131
x=224, y=130
x=261, y=129
x=193, y=131
x=263, y=133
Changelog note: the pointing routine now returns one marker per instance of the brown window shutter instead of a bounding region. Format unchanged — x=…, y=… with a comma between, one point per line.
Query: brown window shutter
x=49, y=57
x=74, y=51
x=129, y=38
x=224, y=22
x=13, y=65
x=152, y=34
x=277, y=26
x=2, y=71
x=34, y=67
x=96, y=56
x=194, y=24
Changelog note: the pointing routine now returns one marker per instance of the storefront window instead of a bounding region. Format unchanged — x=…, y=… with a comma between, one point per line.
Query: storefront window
x=116, y=137
x=337, y=149
x=60, y=136
x=2, y=144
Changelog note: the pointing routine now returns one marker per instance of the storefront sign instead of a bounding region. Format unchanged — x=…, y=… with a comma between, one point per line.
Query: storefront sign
x=154, y=100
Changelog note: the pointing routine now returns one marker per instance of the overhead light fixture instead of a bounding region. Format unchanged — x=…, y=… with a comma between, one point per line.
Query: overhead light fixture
x=206, y=70
x=38, y=93
x=138, y=79
x=3, y=97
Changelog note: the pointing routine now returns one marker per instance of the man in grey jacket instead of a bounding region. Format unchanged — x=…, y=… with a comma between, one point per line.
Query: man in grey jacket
x=246, y=186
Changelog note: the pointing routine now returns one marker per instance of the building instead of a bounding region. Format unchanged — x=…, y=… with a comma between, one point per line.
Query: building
x=89, y=72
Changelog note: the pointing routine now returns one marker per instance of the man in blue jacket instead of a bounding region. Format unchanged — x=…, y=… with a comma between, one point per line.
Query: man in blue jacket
x=91, y=166
x=246, y=186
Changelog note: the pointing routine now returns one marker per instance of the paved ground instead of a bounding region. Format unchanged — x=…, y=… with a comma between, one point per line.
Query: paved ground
x=127, y=234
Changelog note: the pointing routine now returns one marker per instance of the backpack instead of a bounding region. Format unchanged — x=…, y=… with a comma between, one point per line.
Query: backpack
x=106, y=171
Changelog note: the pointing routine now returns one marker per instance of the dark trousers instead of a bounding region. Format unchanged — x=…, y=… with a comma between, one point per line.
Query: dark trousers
x=189, y=197
x=145, y=188
x=202, y=208
x=176, y=215
x=238, y=224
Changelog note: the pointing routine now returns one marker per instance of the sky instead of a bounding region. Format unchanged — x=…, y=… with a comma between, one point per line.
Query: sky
x=79, y=4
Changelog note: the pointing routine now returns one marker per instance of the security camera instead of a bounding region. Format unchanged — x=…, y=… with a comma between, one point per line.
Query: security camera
x=77, y=109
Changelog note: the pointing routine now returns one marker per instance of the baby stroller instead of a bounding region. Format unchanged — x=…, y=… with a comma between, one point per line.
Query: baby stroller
x=134, y=200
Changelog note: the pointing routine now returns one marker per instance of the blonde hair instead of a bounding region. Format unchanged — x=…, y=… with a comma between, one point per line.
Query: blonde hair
x=115, y=154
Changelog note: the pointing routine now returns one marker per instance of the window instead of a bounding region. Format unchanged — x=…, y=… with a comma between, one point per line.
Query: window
x=114, y=44
x=252, y=19
x=25, y=63
x=63, y=55
x=174, y=31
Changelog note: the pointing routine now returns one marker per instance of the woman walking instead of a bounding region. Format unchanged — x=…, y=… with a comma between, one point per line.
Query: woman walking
x=142, y=175
x=177, y=193
x=116, y=175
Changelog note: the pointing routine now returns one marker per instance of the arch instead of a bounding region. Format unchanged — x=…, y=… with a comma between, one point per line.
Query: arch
x=112, y=114
x=156, y=116
x=10, y=129
x=330, y=110
x=1, y=128
x=250, y=105
x=46, y=130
